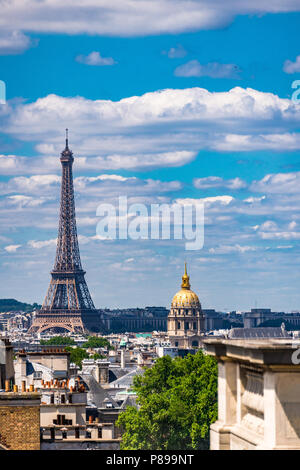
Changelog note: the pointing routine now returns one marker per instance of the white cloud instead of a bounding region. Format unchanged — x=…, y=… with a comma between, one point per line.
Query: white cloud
x=38, y=190
x=36, y=244
x=14, y=165
x=227, y=249
x=118, y=185
x=219, y=200
x=278, y=183
x=270, y=230
x=280, y=235
x=21, y=201
x=269, y=225
x=193, y=68
x=243, y=143
x=12, y=248
x=14, y=42
x=253, y=200
x=33, y=184
x=159, y=129
x=170, y=107
x=292, y=225
x=94, y=58
x=176, y=52
x=218, y=182
x=131, y=17
x=292, y=67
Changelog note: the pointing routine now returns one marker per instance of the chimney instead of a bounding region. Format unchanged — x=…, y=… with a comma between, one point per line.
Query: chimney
x=122, y=359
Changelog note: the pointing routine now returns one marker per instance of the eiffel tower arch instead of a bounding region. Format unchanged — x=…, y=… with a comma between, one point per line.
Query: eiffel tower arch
x=68, y=304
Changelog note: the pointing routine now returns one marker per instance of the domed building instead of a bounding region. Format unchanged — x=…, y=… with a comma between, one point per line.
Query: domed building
x=186, y=321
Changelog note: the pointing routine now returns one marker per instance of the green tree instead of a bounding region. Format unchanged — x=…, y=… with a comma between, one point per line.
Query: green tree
x=97, y=342
x=77, y=355
x=177, y=401
x=58, y=341
x=97, y=356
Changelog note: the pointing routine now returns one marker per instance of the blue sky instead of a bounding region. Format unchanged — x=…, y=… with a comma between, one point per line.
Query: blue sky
x=163, y=104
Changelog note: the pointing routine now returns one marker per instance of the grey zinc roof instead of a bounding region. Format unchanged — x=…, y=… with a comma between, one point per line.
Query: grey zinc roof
x=117, y=373
x=258, y=333
x=97, y=394
x=127, y=379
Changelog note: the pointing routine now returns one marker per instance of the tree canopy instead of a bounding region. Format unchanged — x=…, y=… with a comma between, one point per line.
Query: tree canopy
x=77, y=355
x=97, y=342
x=177, y=401
x=11, y=305
x=58, y=341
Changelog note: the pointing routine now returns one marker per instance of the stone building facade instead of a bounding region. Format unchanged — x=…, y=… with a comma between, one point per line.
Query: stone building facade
x=258, y=394
x=20, y=420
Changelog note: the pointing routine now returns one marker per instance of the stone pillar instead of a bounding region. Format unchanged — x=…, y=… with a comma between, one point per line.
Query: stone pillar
x=281, y=409
x=227, y=406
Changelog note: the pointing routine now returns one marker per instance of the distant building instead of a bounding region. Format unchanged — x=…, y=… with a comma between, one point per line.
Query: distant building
x=213, y=320
x=162, y=351
x=265, y=317
x=50, y=363
x=136, y=319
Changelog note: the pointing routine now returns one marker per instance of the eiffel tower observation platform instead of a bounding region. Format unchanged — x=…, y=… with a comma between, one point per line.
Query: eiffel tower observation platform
x=68, y=304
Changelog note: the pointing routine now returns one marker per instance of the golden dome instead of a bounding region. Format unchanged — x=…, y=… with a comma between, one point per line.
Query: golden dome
x=185, y=297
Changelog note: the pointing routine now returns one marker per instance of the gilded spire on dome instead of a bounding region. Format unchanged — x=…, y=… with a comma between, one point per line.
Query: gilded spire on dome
x=185, y=279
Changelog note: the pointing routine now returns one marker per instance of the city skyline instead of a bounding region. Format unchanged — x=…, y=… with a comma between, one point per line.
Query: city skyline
x=157, y=115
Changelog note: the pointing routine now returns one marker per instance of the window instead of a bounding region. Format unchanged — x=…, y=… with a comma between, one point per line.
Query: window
x=37, y=374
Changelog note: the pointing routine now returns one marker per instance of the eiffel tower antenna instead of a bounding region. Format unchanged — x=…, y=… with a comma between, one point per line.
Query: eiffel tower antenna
x=68, y=304
x=67, y=138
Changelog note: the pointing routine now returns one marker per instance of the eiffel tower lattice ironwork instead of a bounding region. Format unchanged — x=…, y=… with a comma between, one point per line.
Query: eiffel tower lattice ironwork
x=68, y=303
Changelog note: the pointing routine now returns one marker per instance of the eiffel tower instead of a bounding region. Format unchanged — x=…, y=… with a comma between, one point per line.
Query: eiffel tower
x=68, y=304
